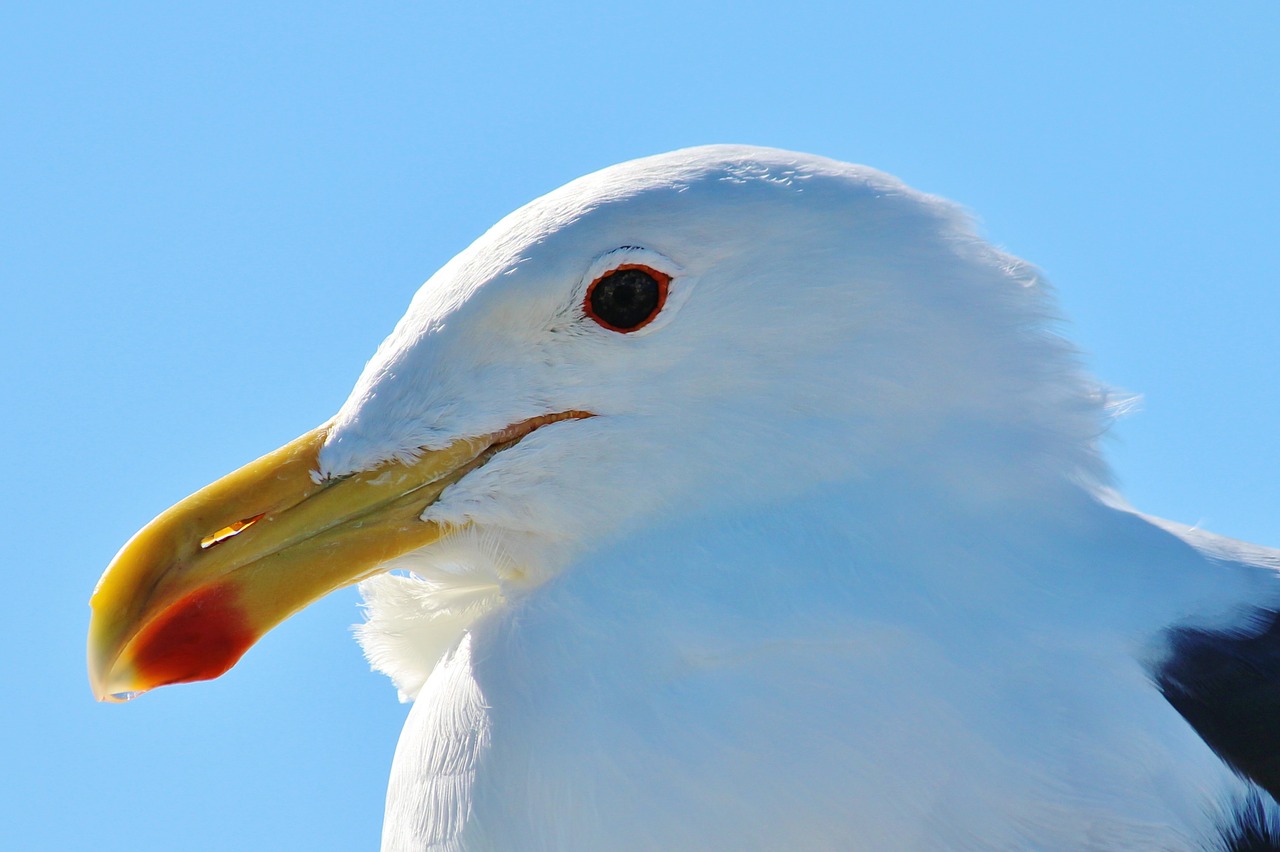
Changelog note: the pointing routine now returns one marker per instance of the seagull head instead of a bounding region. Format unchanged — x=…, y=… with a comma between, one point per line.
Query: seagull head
x=688, y=333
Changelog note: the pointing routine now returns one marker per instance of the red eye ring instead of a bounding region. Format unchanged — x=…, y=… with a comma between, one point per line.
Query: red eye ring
x=627, y=297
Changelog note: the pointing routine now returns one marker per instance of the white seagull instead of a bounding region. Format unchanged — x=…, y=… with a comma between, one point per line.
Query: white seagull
x=741, y=499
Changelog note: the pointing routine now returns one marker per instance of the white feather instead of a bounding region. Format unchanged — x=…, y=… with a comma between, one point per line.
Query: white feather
x=411, y=623
x=833, y=567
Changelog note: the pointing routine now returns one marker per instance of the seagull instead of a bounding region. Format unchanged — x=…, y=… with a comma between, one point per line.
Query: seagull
x=736, y=498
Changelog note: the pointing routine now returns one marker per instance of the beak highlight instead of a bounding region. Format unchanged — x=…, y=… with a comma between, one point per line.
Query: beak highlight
x=199, y=585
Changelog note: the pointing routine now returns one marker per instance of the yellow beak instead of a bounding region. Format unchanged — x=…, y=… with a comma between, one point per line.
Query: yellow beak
x=195, y=588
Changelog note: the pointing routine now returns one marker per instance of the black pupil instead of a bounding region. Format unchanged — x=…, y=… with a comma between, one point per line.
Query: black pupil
x=625, y=299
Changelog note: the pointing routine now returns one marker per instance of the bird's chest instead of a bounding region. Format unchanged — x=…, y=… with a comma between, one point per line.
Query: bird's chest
x=868, y=738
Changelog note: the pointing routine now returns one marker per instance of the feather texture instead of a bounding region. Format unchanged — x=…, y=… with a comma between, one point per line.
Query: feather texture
x=834, y=565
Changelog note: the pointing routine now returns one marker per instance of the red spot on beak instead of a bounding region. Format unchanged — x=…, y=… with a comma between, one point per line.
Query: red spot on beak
x=198, y=638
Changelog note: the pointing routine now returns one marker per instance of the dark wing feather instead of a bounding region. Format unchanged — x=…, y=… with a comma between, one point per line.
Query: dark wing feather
x=1227, y=685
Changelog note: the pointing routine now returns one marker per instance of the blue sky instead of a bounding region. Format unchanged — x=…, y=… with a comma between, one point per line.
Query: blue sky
x=212, y=213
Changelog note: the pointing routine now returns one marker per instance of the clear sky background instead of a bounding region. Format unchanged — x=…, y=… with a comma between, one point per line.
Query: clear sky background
x=210, y=215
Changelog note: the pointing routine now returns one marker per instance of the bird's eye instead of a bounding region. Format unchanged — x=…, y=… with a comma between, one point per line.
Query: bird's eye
x=627, y=298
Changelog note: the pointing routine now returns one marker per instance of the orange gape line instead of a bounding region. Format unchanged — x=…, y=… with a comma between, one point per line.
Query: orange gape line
x=198, y=638
x=517, y=431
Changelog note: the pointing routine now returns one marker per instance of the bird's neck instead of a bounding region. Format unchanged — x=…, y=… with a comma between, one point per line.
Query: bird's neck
x=889, y=549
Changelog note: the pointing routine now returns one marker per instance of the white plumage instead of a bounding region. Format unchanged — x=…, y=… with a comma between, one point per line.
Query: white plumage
x=834, y=566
